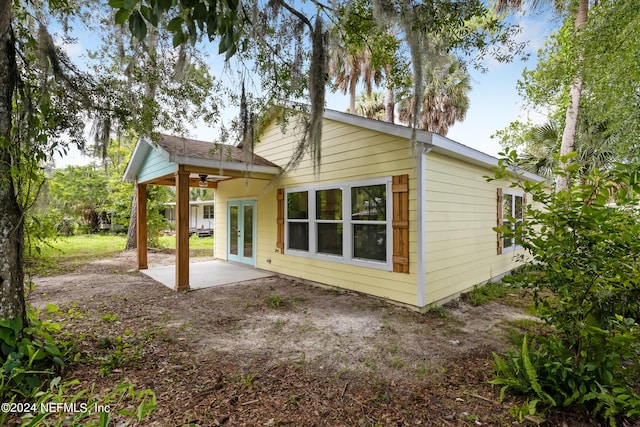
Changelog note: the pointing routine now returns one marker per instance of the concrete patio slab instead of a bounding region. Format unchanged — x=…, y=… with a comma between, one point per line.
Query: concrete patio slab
x=207, y=274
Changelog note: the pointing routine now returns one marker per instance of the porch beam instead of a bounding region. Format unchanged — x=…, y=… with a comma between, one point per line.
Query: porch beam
x=171, y=181
x=182, y=229
x=141, y=226
x=228, y=173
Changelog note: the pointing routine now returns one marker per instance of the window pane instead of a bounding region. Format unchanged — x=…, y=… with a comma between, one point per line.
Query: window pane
x=330, y=239
x=507, y=206
x=518, y=237
x=298, y=205
x=329, y=204
x=518, y=207
x=369, y=203
x=370, y=241
x=299, y=236
x=507, y=242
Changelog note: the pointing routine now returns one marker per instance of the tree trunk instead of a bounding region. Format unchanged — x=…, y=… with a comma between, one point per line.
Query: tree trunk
x=389, y=104
x=149, y=93
x=352, y=92
x=132, y=231
x=12, y=303
x=571, y=119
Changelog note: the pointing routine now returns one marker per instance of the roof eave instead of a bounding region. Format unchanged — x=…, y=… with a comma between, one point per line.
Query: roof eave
x=429, y=140
x=225, y=165
x=379, y=126
x=140, y=152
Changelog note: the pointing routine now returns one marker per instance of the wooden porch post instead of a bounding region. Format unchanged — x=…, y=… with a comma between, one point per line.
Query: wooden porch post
x=182, y=230
x=141, y=226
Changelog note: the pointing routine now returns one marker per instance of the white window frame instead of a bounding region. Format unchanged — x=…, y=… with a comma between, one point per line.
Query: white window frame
x=211, y=213
x=347, y=224
x=510, y=192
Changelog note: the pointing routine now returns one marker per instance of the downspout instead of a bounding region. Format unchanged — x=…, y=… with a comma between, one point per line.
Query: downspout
x=421, y=152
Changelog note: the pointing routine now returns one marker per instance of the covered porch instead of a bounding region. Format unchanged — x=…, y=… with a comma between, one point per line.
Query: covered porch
x=207, y=274
x=184, y=163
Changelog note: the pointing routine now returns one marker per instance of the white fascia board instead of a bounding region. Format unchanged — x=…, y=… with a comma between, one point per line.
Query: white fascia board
x=454, y=149
x=140, y=152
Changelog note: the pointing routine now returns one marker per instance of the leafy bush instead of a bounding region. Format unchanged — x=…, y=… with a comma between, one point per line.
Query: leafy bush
x=583, y=244
x=31, y=363
x=122, y=404
x=28, y=355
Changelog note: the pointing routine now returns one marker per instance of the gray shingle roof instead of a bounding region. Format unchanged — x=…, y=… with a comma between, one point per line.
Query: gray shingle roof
x=194, y=148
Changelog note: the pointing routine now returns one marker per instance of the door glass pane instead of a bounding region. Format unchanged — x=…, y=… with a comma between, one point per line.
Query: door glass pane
x=330, y=238
x=233, y=230
x=248, y=231
x=329, y=204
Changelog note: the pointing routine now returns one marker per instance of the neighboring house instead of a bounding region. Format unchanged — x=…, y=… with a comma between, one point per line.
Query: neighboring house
x=201, y=216
x=410, y=222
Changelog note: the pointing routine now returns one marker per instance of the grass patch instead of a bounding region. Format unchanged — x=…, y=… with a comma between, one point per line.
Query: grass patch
x=86, y=246
x=275, y=301
x=195, y=243
x=438, y=311
x=66, y=253
x=488, y=292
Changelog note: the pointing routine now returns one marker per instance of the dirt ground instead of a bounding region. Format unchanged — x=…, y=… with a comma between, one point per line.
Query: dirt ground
x=279, y=352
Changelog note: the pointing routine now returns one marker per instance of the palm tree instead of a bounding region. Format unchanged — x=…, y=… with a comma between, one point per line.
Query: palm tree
x=446, y=98
x=593, y=146
x=542, y=145
x=347, y=68
x=580, y=15
x=371, y=106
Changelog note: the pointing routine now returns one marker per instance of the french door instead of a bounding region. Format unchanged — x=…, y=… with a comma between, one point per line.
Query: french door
x=241, y=236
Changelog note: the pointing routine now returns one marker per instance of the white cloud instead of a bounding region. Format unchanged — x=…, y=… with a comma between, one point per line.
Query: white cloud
x=73, y=50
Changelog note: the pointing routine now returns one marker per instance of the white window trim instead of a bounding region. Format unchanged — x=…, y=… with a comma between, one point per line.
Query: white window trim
x=347, y=228
x=211, y=213
x=511, y=192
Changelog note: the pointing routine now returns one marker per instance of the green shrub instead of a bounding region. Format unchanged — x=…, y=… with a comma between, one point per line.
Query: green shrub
x=28, y=355
x=32, y=360
x=88, y=408
x=583, y=244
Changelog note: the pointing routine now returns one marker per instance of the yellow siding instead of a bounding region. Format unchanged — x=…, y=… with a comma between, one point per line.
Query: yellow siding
x=460, y=211
x=349, y=153
x=238, y=188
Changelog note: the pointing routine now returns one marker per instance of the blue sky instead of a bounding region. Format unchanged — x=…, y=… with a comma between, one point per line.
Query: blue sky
x=494, y=101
